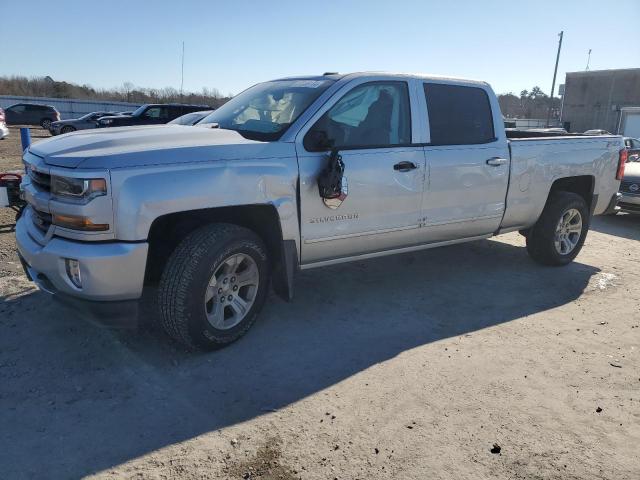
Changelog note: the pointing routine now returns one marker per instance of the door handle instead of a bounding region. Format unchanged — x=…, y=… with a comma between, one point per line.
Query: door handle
x=405, y=166
x=496, y=161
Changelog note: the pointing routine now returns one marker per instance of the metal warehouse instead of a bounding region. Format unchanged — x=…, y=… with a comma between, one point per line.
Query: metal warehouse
x=601, y=99
x=69, y=108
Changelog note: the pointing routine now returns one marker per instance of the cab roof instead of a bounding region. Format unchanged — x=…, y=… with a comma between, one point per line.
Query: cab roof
x=421, y=76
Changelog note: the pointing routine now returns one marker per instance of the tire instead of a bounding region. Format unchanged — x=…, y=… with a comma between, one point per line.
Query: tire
x=67, y=129
x=45, y=123
x=185, y=313
x=545, y=242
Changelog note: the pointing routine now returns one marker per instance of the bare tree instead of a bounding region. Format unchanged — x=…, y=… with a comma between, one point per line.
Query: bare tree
x=47, y=87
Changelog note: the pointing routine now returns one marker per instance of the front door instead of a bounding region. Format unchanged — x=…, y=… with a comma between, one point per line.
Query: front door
x=468, y=163
x=370, y=125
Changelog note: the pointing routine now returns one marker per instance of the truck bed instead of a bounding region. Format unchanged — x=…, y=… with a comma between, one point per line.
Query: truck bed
x=536, y=162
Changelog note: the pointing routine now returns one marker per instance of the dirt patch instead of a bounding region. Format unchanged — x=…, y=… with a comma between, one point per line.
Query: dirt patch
x=11, y=148
x=11, y=160
x=265, y=464
x=9, y=263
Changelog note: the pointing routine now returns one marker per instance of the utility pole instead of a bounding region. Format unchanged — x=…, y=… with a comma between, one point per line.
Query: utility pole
x=588, y=60
x=555, y=71
x=182, y=73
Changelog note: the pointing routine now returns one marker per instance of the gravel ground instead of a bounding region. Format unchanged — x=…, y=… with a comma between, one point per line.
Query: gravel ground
x=411, y=366
x=407, y=367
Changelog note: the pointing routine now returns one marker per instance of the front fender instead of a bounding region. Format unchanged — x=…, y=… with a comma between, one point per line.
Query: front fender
x=142, y=194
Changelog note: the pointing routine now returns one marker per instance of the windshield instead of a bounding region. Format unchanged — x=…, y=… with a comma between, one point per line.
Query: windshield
x=265, y=111
x=189, y=118
x=96, y=114
x=138, y=111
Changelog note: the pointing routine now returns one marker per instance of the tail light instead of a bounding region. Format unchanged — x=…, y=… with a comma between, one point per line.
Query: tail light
x=622, y=160
x=57, y=116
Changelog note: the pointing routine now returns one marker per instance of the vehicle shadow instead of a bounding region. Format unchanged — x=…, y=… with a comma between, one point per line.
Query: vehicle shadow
x=78, y=399
x=624, y=225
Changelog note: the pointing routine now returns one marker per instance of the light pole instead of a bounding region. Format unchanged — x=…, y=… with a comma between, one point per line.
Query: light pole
x=182, y=71
x=553, y=84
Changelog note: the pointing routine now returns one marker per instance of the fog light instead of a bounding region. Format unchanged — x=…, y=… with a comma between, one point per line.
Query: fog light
x=73, y=271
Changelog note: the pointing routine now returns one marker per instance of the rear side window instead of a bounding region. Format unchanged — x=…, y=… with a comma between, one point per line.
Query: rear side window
x=458, y=115
x=157, y=112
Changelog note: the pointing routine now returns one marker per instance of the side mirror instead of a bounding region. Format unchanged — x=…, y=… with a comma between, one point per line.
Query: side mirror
x=318, y=140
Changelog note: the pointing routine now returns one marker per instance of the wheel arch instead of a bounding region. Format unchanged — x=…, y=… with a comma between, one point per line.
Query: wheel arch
x=582, y=185
x=168, y=230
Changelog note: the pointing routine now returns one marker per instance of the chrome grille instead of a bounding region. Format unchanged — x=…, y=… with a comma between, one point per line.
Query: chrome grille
x=626, y=187
x=41, y=220
x=40, y=180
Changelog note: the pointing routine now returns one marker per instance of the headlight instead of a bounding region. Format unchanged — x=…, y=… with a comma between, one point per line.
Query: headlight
x=77, y=190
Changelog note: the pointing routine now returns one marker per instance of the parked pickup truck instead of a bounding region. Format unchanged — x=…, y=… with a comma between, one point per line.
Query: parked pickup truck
x=294, y=174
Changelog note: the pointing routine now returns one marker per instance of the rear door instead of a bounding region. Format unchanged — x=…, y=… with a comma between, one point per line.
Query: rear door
x=468, y=161
x=175, y=111
x=370, y=122
x=34, y=114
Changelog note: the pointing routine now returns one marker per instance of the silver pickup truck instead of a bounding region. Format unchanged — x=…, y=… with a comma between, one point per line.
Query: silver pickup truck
x=294, y=174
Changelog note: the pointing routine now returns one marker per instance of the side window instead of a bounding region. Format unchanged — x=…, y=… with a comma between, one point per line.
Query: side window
x=175, y=111
x=157, y=112
x=375, y=114
x=17, y=109
x=458, y=115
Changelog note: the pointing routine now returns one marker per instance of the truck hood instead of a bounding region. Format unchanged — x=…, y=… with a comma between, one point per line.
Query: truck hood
x=120, y=147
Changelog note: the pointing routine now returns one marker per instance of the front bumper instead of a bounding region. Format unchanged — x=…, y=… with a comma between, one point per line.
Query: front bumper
x=110, y=271
x=629, y=203
x=612, y=208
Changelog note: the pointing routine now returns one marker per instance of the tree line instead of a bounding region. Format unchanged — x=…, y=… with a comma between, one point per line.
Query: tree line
x=532, y=103
x=128, y=92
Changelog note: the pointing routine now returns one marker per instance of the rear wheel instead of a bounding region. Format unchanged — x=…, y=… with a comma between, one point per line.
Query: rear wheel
x=45, y=123
x=67, y=129
x=558, y=236
x=214, y=285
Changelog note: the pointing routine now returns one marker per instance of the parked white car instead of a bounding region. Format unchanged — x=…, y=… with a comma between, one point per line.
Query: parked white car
x=4, y=130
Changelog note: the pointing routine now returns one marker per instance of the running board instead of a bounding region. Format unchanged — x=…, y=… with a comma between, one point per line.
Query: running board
x=383, y=253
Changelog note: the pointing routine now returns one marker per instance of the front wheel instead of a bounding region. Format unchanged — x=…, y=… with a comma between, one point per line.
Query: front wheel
x=558, y=236
x=68, y=129
x=213, y=286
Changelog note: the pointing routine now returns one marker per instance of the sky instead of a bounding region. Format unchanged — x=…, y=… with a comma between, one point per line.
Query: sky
x=230, y=45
